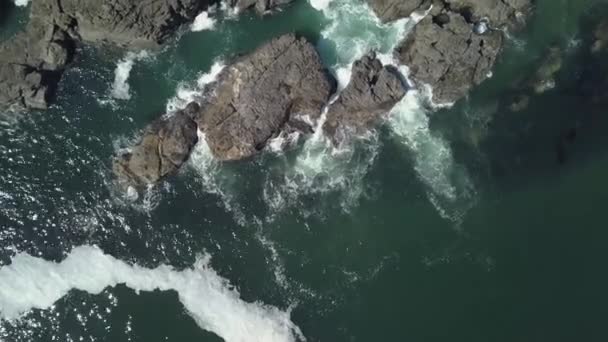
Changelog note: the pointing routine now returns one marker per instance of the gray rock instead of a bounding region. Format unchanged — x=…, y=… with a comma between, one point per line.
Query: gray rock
x=456, y=45
x=164, y=146
x=31, y=63
x=372, y=92
x=450, y=58
x=132, y=23
x=390, y=10
x=260, y=93
x=261, y=6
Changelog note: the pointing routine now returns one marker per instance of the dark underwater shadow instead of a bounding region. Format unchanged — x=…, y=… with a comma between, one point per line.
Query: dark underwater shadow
x=6, y=8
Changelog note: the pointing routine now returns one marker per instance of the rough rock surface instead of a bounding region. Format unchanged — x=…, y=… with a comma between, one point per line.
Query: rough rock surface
x=371, y=93
x=31, y=63
x=455, y=46
x=261, y=6
x=256, y=96
x=165, y=145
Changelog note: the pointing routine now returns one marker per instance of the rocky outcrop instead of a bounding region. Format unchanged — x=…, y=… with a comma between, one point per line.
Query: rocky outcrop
x=164, y=146
x=372, y=92
x=31, y=63
x=254, y=99
x=259, y=94
x=455, y=46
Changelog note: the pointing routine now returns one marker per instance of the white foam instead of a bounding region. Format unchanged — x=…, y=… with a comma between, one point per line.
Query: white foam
x=120, y=88
x=203, y=22
x=33, y=283
x=352, y=32
x=21, y=2
x=320, y=5
x=187, y=93
x=450, y=189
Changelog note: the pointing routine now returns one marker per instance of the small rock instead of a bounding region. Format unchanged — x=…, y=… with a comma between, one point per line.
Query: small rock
x=371, y=93
x=164, y=146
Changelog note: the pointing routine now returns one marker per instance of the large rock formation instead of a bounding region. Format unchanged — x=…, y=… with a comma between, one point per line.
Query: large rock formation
x=164, y=146
x=455, y=46
x=372, y=92
x=32, y=62
x=259, y=94
x=253, y=100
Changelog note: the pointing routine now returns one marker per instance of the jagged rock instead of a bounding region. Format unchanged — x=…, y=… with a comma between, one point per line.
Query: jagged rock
x=372, y=91
x=31, y=63
x=165, y=145
x=255, y=97
x=449, y=57
x=261, y=6
x=390, y=10
x=132, y=23
x=455, y=46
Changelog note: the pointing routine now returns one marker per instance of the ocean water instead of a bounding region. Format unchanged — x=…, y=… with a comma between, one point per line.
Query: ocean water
x=465, y=223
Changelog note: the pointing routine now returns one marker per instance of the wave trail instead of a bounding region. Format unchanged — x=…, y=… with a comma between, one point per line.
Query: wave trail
x=120, y=88
x=33, y=283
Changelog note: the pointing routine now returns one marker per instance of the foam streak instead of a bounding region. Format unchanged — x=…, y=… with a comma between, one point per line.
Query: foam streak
x=33, y=283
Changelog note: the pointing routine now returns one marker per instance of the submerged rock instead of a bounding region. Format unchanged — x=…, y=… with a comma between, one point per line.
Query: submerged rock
x=600, y=37
x=164, y=146
x=372, y=92
x=456, y=45
x=255, y=97
x=544, y=78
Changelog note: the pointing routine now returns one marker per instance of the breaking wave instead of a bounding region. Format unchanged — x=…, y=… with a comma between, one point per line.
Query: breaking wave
x=203, y=22
x=120, y=88
x=33, y=283
x=187, y=93
x=21, y=2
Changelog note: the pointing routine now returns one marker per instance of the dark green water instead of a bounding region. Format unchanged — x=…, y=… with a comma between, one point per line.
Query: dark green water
x=370, y=248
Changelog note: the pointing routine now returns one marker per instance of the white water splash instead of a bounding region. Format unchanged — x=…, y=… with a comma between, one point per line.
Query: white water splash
x=203, y=22
x=320, y=5
x=120, y=88
x=187, y=93
x=21, y=2
x=33, y=283
x=320, y=167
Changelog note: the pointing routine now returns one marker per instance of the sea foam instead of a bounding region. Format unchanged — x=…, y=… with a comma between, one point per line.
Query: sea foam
x=21, y=2
x=203, y=22
x=33, y=283
x=120, y=88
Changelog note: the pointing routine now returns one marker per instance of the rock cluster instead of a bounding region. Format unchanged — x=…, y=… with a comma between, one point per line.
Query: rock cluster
x=455, y=46
x=280, y=87
x=32, y=62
